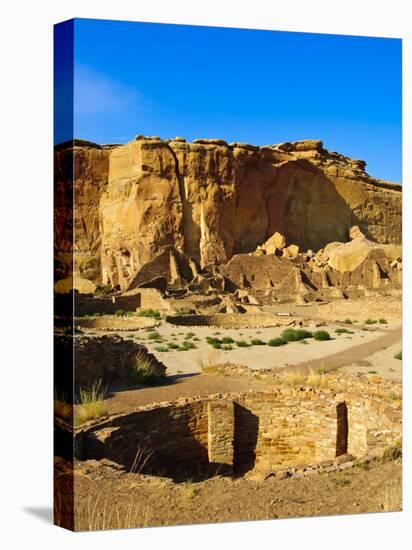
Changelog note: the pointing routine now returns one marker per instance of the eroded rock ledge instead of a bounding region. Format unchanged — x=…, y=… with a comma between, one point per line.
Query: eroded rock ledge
x=210, y=200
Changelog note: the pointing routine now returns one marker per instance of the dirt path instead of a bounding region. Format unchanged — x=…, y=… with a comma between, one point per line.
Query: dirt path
x=178, y=386
x=348, y=356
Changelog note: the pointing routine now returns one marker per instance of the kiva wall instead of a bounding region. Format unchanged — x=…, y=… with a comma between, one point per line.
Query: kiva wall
x=260, y=431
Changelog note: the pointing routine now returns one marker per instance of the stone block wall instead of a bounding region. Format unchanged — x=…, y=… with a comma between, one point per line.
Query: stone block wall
x=237, y=433
x=220, y=440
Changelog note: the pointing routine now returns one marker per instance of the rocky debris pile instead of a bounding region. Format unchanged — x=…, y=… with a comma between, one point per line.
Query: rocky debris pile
x=346, y=257
x=339, y=270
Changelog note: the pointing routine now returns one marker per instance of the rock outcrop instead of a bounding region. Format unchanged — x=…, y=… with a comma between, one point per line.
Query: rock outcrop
x=209, y=200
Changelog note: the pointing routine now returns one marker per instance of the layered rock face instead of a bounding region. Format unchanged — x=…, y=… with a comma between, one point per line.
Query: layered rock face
x=81, y=174
x=211, y=200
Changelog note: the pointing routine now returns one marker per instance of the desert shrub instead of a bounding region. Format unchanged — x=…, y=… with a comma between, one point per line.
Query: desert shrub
x=227, y=347
x=172, y=345
x=190, y=334
x=150, y=313
x=212, y=340
x=321, y=335
x=90, y=404
x=292, y=335
x=344, y=331
x=188, y=345
x=144, y=371
x=302, y=334
x=370, y=322
x=161, y=348
x=257, y=342
x=289, y=335
x=242, y=344
x=227, y=340
x=122, y=313
x=398, y=355
x=153, y=335
x=216, y=345
x=383, y=321
x=277, y=342
x=347, y=321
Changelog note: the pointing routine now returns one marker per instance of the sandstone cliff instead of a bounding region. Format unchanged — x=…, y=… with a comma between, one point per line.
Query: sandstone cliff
x=209, y=200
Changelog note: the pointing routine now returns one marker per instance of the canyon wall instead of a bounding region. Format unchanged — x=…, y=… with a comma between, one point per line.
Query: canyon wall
x=210, y=200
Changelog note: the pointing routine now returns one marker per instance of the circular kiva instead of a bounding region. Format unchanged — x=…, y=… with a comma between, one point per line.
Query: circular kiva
x=250, y=433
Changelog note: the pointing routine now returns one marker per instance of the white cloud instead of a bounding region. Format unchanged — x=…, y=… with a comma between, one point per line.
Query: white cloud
x=95, y=93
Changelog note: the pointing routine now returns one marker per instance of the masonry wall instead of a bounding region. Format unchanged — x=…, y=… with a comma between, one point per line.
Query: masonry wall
x=236, y=433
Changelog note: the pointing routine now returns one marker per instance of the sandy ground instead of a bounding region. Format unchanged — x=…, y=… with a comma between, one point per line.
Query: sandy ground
x=179, y=386
x=382, y=362
x=107, y=498
x=256, y=356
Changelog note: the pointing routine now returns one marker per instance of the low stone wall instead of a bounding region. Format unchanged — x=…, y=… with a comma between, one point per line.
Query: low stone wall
x=114, y=322
x=239, y=433
x=105, y=358
x=245, y=320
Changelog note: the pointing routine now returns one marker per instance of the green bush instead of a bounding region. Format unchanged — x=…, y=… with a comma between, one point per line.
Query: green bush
x=277, y=342
x=212, y=340
x=344, y=331
x=242, y=344
x=383, y=321
x=216, y=345
x=321, y=335
x=289, y=335
x=347, y=321
x=398, y=355
x=227, y=340
x=188, y=345
x=292, y=335
x=153, y=335
x=161, y=348
x=150, y=313
x=122, y=313
x=172, y=345
x=370, y=322
x=227, y=347
x=257, y=342
x=189, y=335
x=302, y=334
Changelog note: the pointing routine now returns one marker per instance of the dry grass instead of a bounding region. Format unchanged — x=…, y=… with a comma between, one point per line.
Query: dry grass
x=392, y=498
x=295, y=379
x=209, y=363
x=91, y=404
x=140, y=460
x=99, y=515
x=315, y=380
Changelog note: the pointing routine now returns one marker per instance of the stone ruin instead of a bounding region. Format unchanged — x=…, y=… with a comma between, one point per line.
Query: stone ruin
x=255, y=433
x=107, y=359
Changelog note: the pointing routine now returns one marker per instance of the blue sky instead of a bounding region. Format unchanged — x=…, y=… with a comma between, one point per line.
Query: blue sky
x=260, y=87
